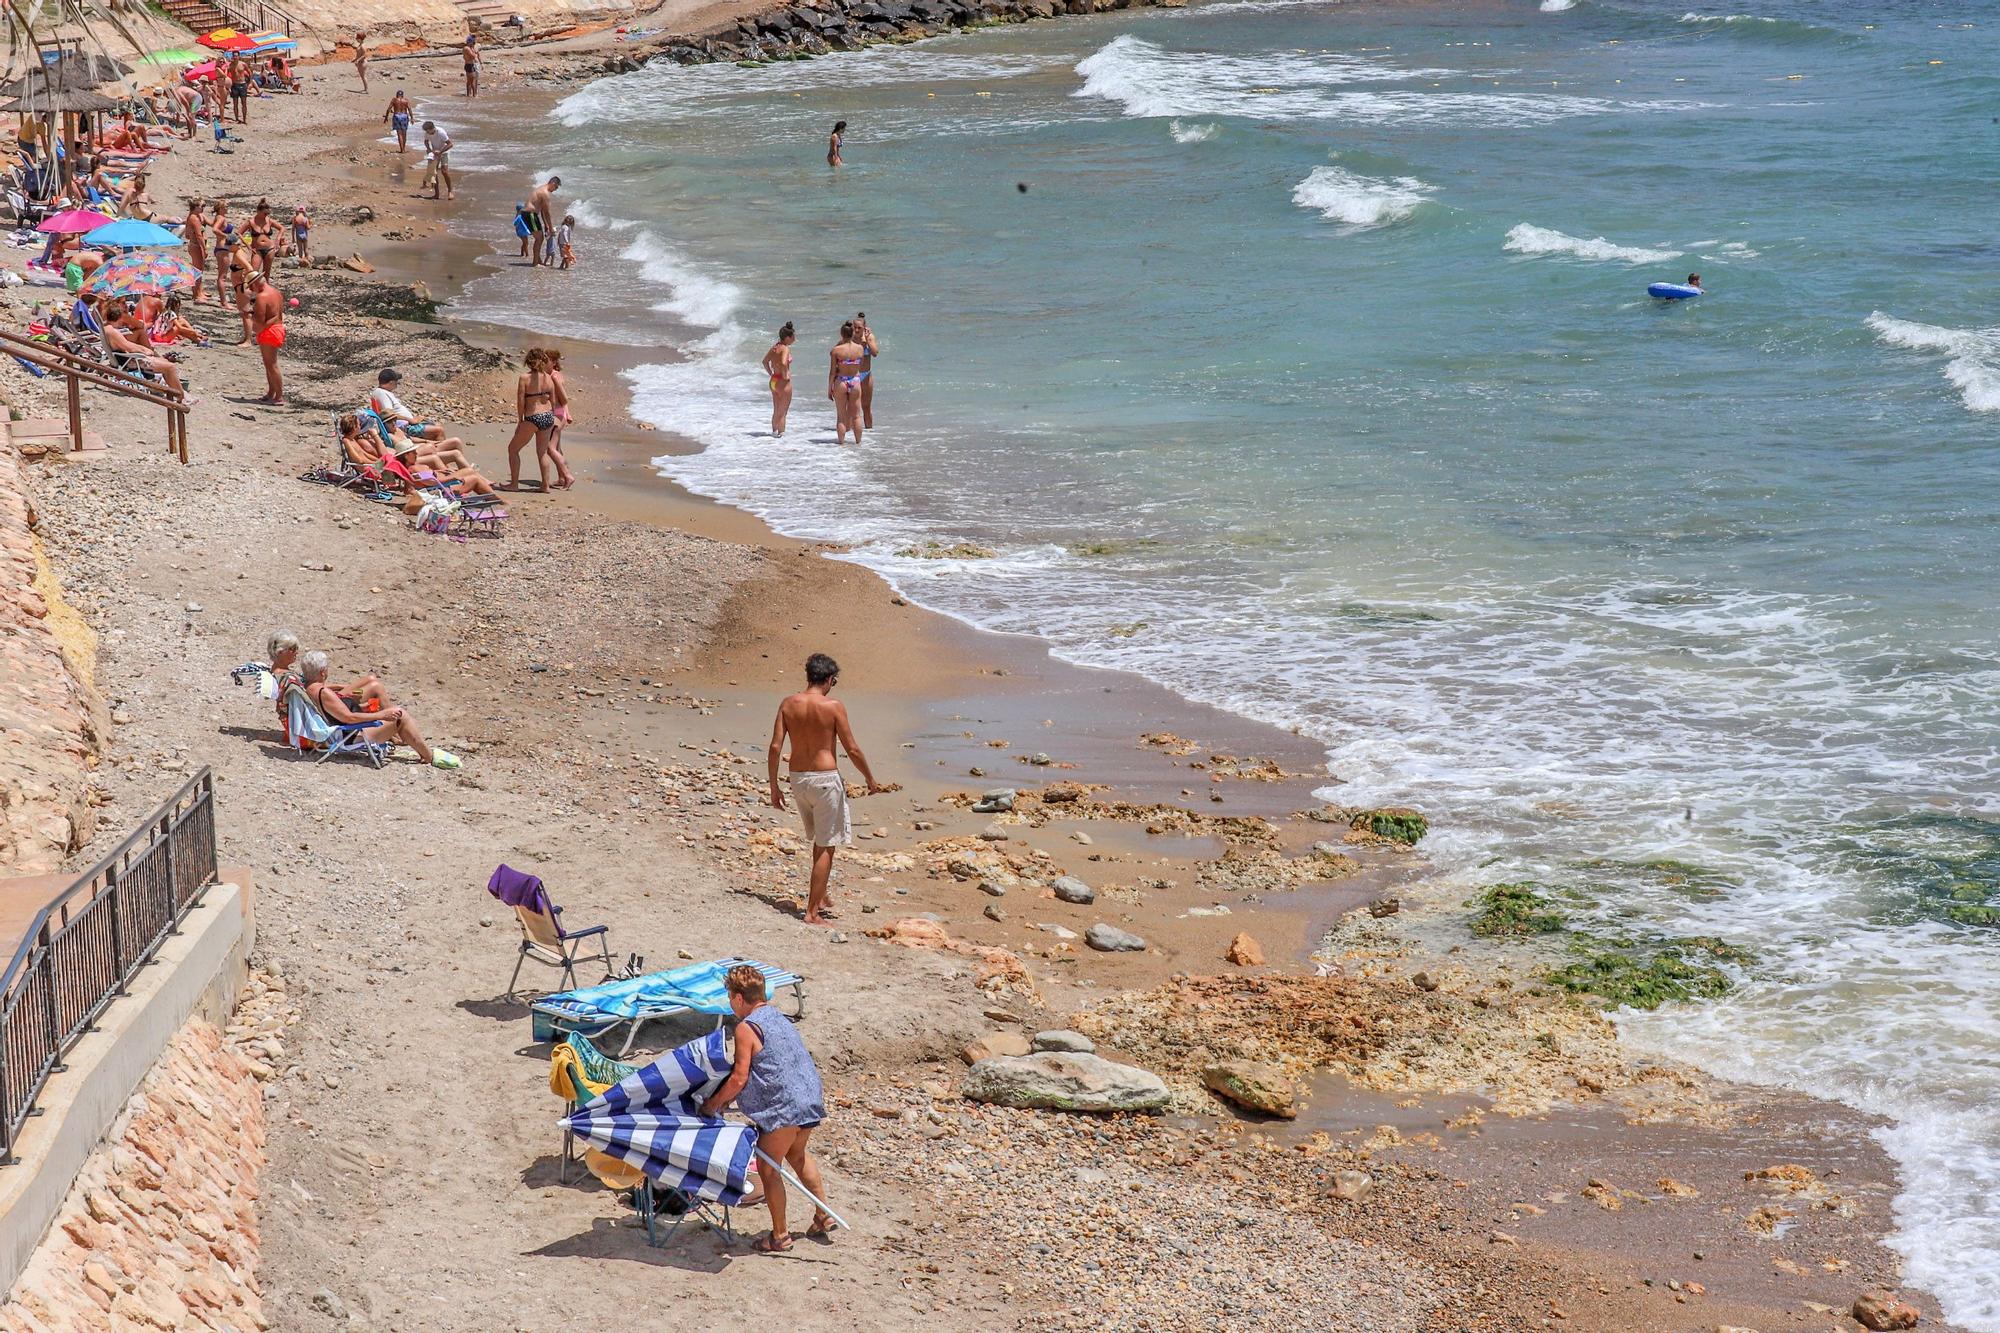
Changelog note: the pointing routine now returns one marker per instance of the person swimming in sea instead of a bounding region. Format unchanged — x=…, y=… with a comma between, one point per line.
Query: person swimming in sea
x=778, y=365
x=1694, y=281
x=834, y=141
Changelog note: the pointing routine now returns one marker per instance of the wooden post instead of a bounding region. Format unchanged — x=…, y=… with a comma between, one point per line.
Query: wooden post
x=75, y=413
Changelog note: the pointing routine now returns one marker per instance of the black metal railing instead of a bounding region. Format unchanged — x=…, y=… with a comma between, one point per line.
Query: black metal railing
x=83, y=949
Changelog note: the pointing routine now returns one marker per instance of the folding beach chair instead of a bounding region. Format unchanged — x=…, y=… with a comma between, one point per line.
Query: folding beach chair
x=632, y=1002
x=311, y=732
x=542, y=935
x=651, y=1122
x=578, y=1073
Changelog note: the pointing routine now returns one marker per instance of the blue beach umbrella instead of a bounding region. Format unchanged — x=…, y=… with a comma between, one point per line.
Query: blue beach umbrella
x=133, y=234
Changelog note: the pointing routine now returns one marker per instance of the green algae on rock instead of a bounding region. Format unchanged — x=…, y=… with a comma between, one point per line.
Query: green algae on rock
x=1625, y=974
x=1515, y=909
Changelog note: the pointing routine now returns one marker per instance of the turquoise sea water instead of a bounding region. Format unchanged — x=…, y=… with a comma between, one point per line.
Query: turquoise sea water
x=1323, y=328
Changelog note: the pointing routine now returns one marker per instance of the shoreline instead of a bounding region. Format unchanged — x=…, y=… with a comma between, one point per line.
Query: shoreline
x=952, y=670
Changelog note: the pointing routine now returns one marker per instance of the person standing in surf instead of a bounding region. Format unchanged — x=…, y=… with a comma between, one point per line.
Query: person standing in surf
x=866, y=337
x=542, y=220
x=778, y=365
x=438, y=144
x=833, y=142
x=843, y=384
x=397, y=117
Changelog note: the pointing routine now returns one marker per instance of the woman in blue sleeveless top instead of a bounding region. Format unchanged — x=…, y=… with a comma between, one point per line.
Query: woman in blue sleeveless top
x=776, y=1085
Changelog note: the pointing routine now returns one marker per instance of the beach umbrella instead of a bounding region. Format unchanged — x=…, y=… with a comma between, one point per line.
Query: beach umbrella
x=264, y=41
x=142, y=273
x=73, y=222
x=133, y=234
x=225, y=39
x=201, y=71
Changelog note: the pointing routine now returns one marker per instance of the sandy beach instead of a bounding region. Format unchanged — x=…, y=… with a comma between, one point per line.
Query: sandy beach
x=1473, y=1150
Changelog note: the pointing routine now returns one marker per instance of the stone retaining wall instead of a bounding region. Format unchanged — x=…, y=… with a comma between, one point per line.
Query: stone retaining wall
x=160, y=1229
x=50, y=712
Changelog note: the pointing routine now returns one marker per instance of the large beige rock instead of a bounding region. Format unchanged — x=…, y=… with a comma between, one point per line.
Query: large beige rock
x=993, y=1045
x=1881, y=1311
x=1245, y=951
x=1065, y=1081
x=1254, y=1087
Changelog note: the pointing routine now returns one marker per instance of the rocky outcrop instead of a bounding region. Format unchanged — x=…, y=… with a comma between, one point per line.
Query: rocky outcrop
x=49, y=710
x=1065, y=1081
x=160, y=1228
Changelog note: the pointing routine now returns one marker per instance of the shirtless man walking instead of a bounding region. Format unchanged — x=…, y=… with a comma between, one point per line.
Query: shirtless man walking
x=815, y=722
x=542, y=220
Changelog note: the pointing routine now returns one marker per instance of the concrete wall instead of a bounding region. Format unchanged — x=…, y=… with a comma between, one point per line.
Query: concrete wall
x=196, y=974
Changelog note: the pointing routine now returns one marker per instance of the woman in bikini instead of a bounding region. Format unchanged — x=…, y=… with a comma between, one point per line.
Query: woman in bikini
x=778, y=365
x=361, y=58
x=833, y=142
x=564, y=477
x=194, y=234
x=221, y=235
x=263, y=236
x=534, y=404
x=236, y=262
x=843, y=384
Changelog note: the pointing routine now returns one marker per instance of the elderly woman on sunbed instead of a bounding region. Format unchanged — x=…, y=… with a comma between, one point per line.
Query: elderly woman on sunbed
x=391, y=726
x=362, y=442
x=363, y=694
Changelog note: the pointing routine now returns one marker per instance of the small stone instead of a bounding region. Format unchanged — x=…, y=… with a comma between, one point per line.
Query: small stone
x=193, y=606
x=993, y=833
x=1063, y=1039
x=1353, y=1186
x=485, y=920
x=1040, y=760
x=1081, y=838
x=1245, y=951
x=1110, y=939
x=995, y=1044
x=993, y=888
x=996, y=802
x=1073, y=890
x=993, y=913
x=1424, y=981
x=1881, y=1311
x=1385, y=906
x=328, y=1304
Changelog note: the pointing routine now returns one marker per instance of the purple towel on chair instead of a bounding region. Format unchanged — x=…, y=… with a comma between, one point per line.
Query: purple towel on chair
x=517, y=888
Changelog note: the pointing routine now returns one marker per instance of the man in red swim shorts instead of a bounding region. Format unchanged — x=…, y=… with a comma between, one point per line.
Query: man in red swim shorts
x=267, y=326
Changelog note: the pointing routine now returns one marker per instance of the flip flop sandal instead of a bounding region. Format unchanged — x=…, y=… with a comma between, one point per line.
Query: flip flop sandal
x=770, y=1244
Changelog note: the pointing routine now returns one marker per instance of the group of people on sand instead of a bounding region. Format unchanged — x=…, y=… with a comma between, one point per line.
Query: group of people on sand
x=850, y=377
x=545, y=242
x=541, y=409
x=362, y=699
x=386, y=435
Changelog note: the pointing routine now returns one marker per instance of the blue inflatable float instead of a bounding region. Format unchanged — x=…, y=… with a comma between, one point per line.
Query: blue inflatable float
x=1672, y=291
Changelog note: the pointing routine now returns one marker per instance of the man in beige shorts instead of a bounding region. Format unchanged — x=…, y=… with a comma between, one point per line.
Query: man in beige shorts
x=816, y=723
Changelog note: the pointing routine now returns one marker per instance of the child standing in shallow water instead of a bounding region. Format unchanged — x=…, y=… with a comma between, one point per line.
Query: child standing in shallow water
x=563, y=234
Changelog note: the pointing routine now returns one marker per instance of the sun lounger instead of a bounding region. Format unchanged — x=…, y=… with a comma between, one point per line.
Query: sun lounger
x=542, y=935
x=632, y=1002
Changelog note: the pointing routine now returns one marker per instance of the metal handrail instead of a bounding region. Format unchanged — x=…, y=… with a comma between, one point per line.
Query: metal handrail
x=84, y=947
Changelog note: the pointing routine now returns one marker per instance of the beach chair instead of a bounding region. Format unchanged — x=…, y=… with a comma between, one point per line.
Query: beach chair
x=632, y=1002
x=578, y=1073
x=542, y=935
x=447, y=509
x=311, y=733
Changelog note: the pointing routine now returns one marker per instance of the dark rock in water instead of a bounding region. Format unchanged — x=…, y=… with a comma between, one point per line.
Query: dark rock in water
x=1109, y=939
x=1385, y=906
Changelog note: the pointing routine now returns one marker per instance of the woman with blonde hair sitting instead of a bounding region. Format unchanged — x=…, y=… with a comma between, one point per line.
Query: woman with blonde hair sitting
x=391, y=726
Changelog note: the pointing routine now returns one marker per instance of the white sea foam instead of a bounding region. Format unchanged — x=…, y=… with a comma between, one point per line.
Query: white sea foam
x=1145, y=79
x=1557, y=6
x=717, y=89
x=587, y=214
x=1528, y=239
x=1973, y=355
x=696, y=296
x=1359, y=201
x=1196, y=133
x=1692, y=17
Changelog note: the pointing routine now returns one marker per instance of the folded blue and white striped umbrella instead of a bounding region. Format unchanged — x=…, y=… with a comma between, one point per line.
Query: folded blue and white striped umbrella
x=652, y=1121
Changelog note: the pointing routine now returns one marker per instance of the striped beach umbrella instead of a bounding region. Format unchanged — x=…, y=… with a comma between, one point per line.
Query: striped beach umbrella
x=133, y=234
x=653, y=1121
x=142, y=273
